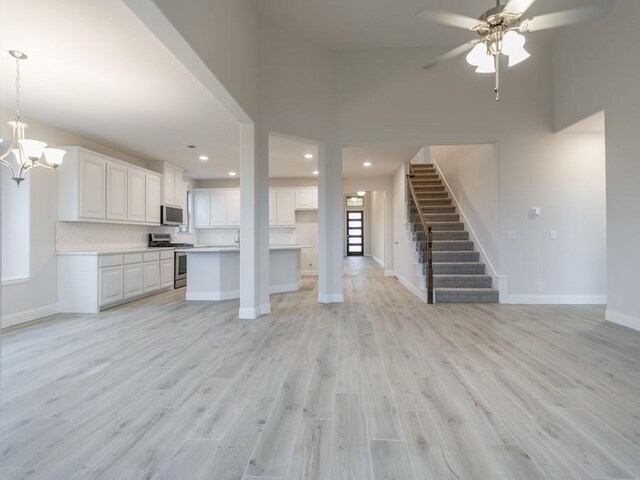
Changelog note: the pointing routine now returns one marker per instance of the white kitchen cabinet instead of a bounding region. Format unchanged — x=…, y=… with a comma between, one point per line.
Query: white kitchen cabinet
x=201, y=208
x=218, y=208
x=233, y=208
x=111, y=285
x=152, y=198
x=97, y=188
x=180, y=189
x=136, y=196
x=169, y=185
x=133, y=280
x=151, y=276
x=166, y=272
x=116, y=192
x=92, y=188
x=307, y=199
x=285, y=208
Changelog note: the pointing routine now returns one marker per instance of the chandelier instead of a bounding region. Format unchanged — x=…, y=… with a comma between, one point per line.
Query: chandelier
x=23, y=154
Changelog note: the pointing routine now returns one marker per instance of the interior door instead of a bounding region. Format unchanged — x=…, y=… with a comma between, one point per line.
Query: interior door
x=355, y=233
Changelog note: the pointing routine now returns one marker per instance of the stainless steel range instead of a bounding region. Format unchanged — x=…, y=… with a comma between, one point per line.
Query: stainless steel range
x=163, y=240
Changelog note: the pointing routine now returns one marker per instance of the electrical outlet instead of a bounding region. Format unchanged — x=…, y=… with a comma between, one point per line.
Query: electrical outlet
x=511, y=235
x=553, y=235
x=618, y=302
x=539, y=286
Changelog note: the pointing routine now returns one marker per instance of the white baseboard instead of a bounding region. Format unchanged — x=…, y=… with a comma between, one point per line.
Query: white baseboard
x=413, y=289
x=309, y=273
x=623, y=319
x=253, y=313
x=291, y=287
x=330, y=298
x=558, y=299
x=377, y=260
x=389, y=273
x=28, y=315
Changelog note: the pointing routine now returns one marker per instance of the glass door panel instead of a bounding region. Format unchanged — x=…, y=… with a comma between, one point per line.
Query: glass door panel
x=355, y=233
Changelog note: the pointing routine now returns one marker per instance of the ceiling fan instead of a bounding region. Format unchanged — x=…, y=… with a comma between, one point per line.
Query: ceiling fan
x=500, y=29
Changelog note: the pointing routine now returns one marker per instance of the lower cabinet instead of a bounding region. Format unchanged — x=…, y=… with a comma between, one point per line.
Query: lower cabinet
x=151, y=276
x=133, y=285
x=111, y=285
x=89, y=283
x=166, y=272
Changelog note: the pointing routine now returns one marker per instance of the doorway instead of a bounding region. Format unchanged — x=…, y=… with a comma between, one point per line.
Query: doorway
x=355, y=233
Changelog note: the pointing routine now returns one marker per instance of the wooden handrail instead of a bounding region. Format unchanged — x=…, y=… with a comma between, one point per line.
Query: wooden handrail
x=428, y=251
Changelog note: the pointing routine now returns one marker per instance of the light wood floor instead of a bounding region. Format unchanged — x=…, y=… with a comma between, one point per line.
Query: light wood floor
x=380, y=387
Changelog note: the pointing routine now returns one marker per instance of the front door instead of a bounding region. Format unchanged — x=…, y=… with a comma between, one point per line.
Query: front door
x=355, y=233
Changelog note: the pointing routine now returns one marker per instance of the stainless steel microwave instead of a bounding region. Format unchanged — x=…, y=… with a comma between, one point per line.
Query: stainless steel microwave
x=171, y=215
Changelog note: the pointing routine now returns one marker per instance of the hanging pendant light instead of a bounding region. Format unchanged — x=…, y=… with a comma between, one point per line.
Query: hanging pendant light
x=23, y=154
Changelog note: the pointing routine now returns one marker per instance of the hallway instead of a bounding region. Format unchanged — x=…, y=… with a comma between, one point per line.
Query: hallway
x=382, y=386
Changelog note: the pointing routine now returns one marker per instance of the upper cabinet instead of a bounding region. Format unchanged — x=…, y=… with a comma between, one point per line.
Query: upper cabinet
x=173, y=189
x=307, y=199
x=97, y=188
x=136, y=201
x=116, y=192
x=216, y=208
x=285, y=208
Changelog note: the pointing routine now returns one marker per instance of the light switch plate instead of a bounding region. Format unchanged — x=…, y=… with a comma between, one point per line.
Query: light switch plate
x=511, y=235
x=553, y=235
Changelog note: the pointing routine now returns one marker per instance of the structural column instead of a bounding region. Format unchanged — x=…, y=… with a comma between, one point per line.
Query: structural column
x=254, y=222
x=330, y=219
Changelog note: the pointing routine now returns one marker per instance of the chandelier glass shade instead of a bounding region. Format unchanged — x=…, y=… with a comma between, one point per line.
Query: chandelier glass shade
x=22, y=154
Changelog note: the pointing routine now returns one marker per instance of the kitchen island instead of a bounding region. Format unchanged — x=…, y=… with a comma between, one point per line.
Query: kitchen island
x=213, y=273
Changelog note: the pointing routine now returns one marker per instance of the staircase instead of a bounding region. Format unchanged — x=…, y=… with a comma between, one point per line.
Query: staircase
x=458, y=275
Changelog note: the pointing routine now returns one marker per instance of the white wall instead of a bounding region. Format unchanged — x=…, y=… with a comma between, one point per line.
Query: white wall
x=595, y=69
x=377, y=221
x=472, y=174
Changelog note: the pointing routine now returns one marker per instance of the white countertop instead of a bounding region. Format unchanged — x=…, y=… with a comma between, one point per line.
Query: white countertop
x=197, y=249
x=119, y=251
x=236, y=249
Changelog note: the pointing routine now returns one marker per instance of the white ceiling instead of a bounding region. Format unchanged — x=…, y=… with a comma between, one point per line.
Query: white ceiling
x=383, y=23
x=385, y=159
x=95, y=70
x=286, y=158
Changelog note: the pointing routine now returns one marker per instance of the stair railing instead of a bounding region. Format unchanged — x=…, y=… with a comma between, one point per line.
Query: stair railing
x=428, y=244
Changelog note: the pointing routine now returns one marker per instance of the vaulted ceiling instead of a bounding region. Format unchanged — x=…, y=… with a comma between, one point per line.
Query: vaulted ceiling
x=344, y=24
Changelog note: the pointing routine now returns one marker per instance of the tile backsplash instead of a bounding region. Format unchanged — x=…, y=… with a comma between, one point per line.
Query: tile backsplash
x=226, y=236
x=79, y=236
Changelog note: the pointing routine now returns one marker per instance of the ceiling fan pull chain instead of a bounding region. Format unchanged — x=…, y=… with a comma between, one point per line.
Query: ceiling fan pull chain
x=497, y=89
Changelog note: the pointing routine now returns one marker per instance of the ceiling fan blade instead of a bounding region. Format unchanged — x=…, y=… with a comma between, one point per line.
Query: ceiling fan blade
x=568, y=17
x=518, y=7
x=451, y=19
x=451, y=54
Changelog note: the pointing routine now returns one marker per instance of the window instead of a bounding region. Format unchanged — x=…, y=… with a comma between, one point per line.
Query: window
x=355, y=201
x=187, y=226
x=16, y=228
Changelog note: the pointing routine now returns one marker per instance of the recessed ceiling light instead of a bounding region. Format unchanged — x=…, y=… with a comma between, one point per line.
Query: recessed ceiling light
x=204, y=158
x=232, y=174
x=361, y=194
x=367, y=164
x=316, y=172
x=308, y=156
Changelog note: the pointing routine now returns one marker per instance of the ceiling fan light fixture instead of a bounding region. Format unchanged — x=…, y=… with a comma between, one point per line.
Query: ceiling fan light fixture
x=512, y=42
x=488, y=64
x=518, y=56
x=477, y=54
